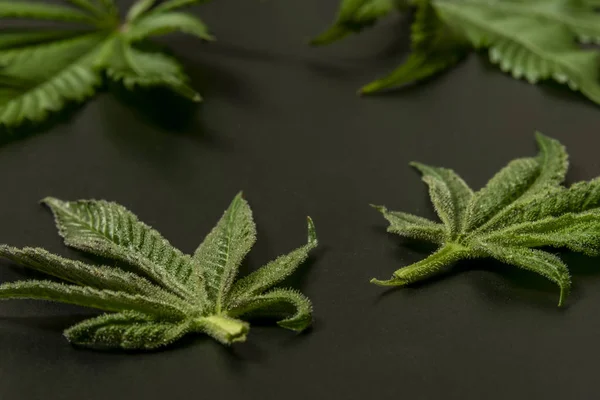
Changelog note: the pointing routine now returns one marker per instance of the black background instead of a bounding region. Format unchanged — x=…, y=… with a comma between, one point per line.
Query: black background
x=281, y=121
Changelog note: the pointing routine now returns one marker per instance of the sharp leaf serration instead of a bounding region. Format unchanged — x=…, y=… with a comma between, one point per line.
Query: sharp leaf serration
x=158, y=294
x=524, y=206
x=534, y=40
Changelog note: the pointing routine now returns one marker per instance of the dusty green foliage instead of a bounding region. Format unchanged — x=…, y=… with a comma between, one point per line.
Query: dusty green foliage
x=41, y=70
x=155, y=293
x=532, y=39
x=522, y=207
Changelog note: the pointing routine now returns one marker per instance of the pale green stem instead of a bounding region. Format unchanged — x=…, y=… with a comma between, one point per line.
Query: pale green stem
x=443, y=257
x=223, y=328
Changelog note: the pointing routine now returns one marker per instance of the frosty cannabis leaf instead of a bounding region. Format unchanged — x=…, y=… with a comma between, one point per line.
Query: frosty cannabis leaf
x=163, y=294
x=531, y=39
x=522, y=207
x=41, y=70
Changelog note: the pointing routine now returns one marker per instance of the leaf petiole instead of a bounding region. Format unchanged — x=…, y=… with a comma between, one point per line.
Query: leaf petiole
x=225, y=329
x=445, y=256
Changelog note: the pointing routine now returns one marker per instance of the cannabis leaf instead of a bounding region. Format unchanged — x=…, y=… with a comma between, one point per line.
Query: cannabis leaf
x=44, y=69
x=156, y=293
x=532, y=39
x=522, y=207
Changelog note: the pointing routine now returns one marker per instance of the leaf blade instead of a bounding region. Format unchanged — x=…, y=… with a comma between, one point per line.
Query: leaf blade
x=504, y=188
x=110, y=230
x=88, y=297
x=275, y=271
x=580, y=197
x=517, y=182
x=524, y=46
x=71, y=77
x=353, y=16
x=449, y=194
x=223, y=250
x=157, y=24
x=12, y=39
x=277, y=303
x=540, y=262
x=579, y=232
x=35, y=10
x=138, y=9
x=126, y=330
x=135, y=68
x=88, y=6
x=435, y=48
x=411, y=226
x=171, y=5
x=553, y=160
x=98, y=277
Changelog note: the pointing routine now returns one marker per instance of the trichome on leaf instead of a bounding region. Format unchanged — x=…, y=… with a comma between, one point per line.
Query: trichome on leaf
x=156, y=294
x=532, y=39
x=42, y=69
x=522, y=207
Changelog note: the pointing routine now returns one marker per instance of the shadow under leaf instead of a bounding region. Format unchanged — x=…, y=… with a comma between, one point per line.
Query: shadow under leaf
x=159, y=106
x=54, y=323
x=30, y=128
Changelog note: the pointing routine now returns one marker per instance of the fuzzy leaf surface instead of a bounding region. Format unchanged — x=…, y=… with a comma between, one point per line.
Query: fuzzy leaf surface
x=292, y=306
x=156, y=293
x=110, y=230
x=523, y=207
x=126, y=330
x=275, y=271
x=223, y=250
x=412, y=226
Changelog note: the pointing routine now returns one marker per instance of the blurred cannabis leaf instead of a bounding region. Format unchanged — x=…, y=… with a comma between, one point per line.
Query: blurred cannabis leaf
x=42, y=69
x=531, y=39
x=163, y=294
x=522, y=207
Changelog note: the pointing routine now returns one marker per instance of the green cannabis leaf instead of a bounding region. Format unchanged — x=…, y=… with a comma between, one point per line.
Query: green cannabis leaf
x=522, y=207
x=43, y=69
x=531, y=39
x=163, y=294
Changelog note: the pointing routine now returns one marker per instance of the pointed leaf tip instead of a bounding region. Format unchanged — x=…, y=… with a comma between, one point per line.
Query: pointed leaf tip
x=416, y=164
x=381, y=209
x=564, y=292
x=541, y=138
x=367, y=90
x=389, y=282
x=51, y=201
x=539, y=135
x=422, y=168
x=312, y=233
x=296, y=326
x=320, y=41
x=329, y=36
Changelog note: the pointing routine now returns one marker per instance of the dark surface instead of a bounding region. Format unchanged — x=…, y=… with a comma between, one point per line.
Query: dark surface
x=281, y=121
